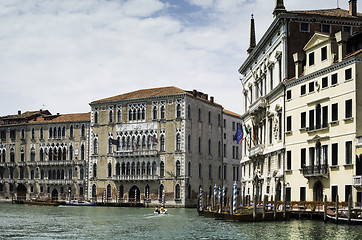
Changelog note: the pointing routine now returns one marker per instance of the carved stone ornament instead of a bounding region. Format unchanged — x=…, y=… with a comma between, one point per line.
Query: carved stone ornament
x=276, y=128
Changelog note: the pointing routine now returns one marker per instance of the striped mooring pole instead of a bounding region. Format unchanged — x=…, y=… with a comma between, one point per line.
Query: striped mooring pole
x=223, y=195
x=234, y=197
x=200, y=203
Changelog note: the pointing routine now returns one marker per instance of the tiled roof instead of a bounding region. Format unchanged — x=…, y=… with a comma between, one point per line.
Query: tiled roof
x=26, y=114
x=231, y=113
x=75, y=117
x=336, y=12
x=353, y=54
x=144, y=93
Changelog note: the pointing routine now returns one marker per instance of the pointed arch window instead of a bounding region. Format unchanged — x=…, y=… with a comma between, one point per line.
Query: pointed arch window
x=178, y=168
x=12, y=155
x=178, y=142
x=41, y=133
x=110, y=116
x=82, y=152
x=63, y=132
x=94, y=170
x=162, y=143
x=177, y=192
x=189, y=142
x=189, y=111
x=109, y=170
x=95, y=146
x=71, y=131
x=32, y=154
x=41, y=155
x=82, y=133
x=118, y=169
x=50, y=132
x=64, y=154
x=96, y=117
x=33, y=133
x=162, y=169
x=178, y=111
x=70, y=152
x=163, y=112
x=154, y=113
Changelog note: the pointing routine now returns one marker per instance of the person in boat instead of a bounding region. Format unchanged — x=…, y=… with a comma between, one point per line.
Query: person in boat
x=157, y=210
x=162, y=210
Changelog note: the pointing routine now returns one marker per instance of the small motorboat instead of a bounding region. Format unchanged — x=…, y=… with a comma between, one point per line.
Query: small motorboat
x=160, y=210
x=79, y=203
x=356, y=215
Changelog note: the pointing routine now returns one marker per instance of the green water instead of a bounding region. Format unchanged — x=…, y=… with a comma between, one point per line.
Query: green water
x=41, y=222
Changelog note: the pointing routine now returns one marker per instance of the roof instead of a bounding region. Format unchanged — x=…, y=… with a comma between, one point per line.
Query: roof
x=231, y=113
x=74, y=117
x=335, y=12
x=144, y=93
x=353, y=54
x=26, y=115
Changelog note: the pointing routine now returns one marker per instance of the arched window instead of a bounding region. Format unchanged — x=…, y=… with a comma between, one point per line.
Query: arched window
x=58, y=174
x=128, y=169
x=189, y=169
x=64, y=154
x=12, y=155
x=32, y=175
x=41, y=155
x=95, y=117
x=154, y=168
x=161, y=192
x=71, y=131
x=81, y=173
x=178, y=111
x=59, y=132
x=130, y=115
x=32, y=154
x=70, y=174
x=143, y=142
x=82, y=133
x=123, y=169
x=50, y=154
x=63, y=132
x=124, y=143
x=189, y=111
x=82, y=152
x=177, y=191
x=128, y=142
x=210, y=171
x=41, y=133
x=50, y=174
x=189, y=142
x=109, y=170
x=133, y=169
x=23, y=133
x=42, y=174
x=200, y=114
x=110, y=116
x=154, y=112
x=143, y=169
x=219, y=148
x=209, y=117
x=143, y=113
x=162, y=143
x=162, y=169
x=138, y=169
x=199, y=144
x=60, y=154
x=33, y=133
x=70, y=152
x=94, y=170
x=163, y=112
x=121, y=192
x=178, y=168
x=209, y=146
x=200, y=170
x=118, y=147
x=318, y=116
x=21, y=173
x=50, y=132
x=148, y=168
x=110, y=145
x=95, y=146
x=178, y=142
x=62, y=174
x=133, y=142
x=119, y=116
x=94, y=191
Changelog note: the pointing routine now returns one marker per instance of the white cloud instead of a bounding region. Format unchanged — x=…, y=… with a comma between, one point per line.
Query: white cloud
x=65, y=54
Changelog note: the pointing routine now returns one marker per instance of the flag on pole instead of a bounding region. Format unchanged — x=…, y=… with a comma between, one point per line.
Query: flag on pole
x=115, y=142
x=246, y=129
x=239, y=135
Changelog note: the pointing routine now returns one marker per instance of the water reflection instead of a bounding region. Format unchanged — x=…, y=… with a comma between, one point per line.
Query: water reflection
x=40, y=222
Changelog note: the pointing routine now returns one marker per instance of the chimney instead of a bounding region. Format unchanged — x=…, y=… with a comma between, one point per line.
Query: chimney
x=353, y=8
x=212, y=99
x=279, y=7
x=19, y=112
x=58, y=114
x=252, y=35
x=298, y=61
x=341, y=39
x=194, y=92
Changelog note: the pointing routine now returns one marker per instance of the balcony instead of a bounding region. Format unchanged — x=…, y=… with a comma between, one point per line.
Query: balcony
x=20, y=181
x=80, y=181
x=316, y=171
x=81, y=162
x=21, y=164
x=257, y=150
x=41, y=181
x=259, y=104
x=32, y=163
x=11, y=181
x=132, y=153
x=2, y=164
x=357, y=181
x=31, y=181
x=56, y=163
x=11, y=164
x=135, y=177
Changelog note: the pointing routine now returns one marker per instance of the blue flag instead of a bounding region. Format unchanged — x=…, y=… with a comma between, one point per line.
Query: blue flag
x=239, y=135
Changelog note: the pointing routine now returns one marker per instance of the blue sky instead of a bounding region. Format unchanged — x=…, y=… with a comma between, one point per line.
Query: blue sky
x=61, y=55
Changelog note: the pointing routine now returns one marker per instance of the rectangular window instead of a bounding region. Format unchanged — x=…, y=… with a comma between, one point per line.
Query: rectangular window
x=233, y=126
x=347, y=29
x=311, y=59
x=311, y=156
x=233, y=152
x=325, y=154
x=349, y=152
x=303, y=120
x=325, y=116
x=302, y=157
x=270, y=130
x=348, y=112
x=334, y=79
x=225, y=172
x=334, y=112
x=289, y=160
x=311, y=119
x=334, y=193
x=324, y=53
x=348, y=74
x=311, y=87
x=288, y=194
x=225, y=150
x=326, y=28
x=289, y=123
x=303, y=90
x=271, y=79
x=289, y=94
x=302, y=194
x=324, y=82
x=335, y=154
x=347, y=192
x=304, y=27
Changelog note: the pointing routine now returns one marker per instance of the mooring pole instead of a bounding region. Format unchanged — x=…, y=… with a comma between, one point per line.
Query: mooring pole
x=325, y=209
x=337, y=206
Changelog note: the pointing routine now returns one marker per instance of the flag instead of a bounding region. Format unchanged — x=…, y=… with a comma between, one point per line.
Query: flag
x=246, y=129
x=154, y=139
x=239, y=135
x=115, y=142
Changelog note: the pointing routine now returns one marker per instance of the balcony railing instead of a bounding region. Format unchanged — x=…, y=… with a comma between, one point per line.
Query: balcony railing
x=260, y=103
x=20, y=181
x=10, y=164
x=59, y=181
x=21, y=164
x=32, y=163
x=316, y=171
x=357, y=181
x=137, y=153
x=56, y=163
x=31, y=181
x=2, y=181
x=81, y=162
x=136, y=177
x=257, y=150
x=80, y=181
x=10, y=180
x=2, y=164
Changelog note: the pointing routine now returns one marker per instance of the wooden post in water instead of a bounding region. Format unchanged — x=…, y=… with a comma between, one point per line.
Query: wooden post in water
x=264, y=205
x=349, y=207
x=275, y=208
x=325, y=209
x=284, y=205
x=254, y=207
x=337, y=206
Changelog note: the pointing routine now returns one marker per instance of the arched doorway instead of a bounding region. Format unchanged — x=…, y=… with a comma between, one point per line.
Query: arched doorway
x=109, y=192
x=21, y=192
x=134, y=194
x=54, y=195
x=318, y=191
x=94, y=192
x=278, y=193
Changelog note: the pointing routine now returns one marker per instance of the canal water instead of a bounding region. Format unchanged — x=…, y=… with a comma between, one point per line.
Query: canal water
x=67, y=222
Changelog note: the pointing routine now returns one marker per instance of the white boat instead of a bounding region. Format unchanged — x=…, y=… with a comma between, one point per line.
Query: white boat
x=79, y=203
x=160, y=210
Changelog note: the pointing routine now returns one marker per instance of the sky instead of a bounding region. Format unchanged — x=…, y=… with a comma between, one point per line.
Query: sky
x=60, y=55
